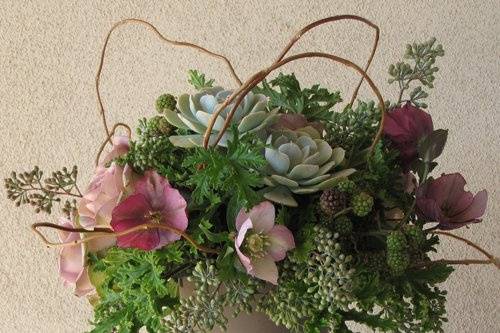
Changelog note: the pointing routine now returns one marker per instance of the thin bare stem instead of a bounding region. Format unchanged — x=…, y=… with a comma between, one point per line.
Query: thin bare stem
x=454, y=262
x=108, y=139
x=491, y=257
x=254, y=80
x=163, y=38
x=100, y=233
x=332, y=19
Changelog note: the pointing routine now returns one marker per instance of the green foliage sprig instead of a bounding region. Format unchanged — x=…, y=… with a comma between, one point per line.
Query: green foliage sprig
x=420, y=66
x=198, y=80
x=234, y=172
x=31, y=188
x=314, y=103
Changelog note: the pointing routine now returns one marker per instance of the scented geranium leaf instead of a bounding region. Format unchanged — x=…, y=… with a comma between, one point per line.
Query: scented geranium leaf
x=432, y=145
x=223, y=174
x=433, y=274
x=198, y=80
x=219, y=237
x=373, y=321
x=314, y=103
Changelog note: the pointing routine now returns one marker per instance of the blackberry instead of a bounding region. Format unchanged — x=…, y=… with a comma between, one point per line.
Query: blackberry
x=362, y=204
x=332, y=201
x=343, y=225
x=398, y=262
x=396, y=241
x=415, y=236
x=347, y=186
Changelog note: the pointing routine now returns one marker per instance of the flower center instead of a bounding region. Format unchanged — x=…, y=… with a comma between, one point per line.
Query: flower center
x=256, y=245
x=154, y=217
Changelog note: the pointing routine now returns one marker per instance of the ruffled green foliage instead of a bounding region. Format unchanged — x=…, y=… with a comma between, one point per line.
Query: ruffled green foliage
x=198, y=80
x=135, y=288
x=221, y=175
x=314, y=103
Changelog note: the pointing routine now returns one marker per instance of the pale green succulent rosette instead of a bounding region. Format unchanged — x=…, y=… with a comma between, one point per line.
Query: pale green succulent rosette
x=195, y=111
x=300, y=162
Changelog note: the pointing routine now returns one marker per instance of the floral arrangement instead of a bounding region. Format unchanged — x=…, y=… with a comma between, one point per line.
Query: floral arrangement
x=269, y=197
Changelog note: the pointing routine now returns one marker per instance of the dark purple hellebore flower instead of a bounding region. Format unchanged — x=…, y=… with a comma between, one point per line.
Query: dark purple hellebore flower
x=444, y=200
x=405, y=126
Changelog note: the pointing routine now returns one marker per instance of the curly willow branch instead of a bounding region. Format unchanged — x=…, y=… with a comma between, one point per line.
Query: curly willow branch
x=258, y=77
x=255, y=79
x=108, y=139
x=492, y=259
x=163, y=38
x=102, y=232
x=332, y=19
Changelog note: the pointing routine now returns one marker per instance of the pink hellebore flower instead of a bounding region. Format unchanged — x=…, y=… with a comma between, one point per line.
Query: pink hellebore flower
x=443, y=200
x=260, y=243
x=295, y=121
x=72, y=268
x=154, y=201
x=405, y=127
x=105, y=189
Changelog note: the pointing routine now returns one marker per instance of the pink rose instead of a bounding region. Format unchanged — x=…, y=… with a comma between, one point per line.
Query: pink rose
x=72, y=265
x=260, y=243
x=106, y=189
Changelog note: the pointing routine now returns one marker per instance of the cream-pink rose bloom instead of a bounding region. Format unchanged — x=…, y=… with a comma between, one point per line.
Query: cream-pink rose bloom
x=106, y=189
x=72, y=265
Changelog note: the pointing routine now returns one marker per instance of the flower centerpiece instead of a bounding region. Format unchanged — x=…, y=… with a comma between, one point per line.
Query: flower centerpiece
x=267, y=197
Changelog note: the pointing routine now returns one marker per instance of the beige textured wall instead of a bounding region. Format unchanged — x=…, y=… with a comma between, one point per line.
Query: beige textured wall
x=48, y=112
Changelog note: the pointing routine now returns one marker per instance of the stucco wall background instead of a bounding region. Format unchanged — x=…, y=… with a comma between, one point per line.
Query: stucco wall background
x=48, y=111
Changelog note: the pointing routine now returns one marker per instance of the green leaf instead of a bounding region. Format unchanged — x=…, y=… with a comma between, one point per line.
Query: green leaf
x=433, y=274
x=198, y=80
x=205, y=227
x=432, y=145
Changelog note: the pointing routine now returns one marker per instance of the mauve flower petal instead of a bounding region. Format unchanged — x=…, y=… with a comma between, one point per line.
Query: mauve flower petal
x=281, y=239
x=244, y=227
x=102, y=243
x=176, y=218
x=262, y=216
x=83, y=286
x=134, y=207
x=265, y=269
x=145, y=239
x=428, y=209
x=120, y=147
x=475, y=210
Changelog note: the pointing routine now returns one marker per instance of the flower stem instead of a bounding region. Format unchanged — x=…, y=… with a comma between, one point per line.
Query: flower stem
x=101, y=233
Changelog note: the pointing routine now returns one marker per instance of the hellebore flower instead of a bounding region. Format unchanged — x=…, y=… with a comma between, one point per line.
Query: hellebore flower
x=260, y=243
x=443, y=200
x=405, y=126
x=295, y=121
x=106, y=188
x=72, y=268
x=154, y=201
x=120, y=147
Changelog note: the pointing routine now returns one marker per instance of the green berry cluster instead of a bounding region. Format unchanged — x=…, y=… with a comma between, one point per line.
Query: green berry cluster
x=319, y=287
x=398, y=258
x=375, y=260
x=347, y=186
x=362, y=204
x=240, y=294
x=202, y=311
x=415, y=236
x=165, y=102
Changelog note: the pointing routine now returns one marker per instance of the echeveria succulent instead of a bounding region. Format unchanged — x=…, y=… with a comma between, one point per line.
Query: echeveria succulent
x=195, y=111
x=300, y=162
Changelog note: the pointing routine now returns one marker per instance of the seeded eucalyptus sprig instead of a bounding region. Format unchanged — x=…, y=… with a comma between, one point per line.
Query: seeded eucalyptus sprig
x=420, y=67
x=31, y=188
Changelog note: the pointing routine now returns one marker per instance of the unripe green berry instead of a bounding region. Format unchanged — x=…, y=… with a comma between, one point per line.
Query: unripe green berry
x=362, y=204
x=346, y=186
x=165, y=102
x=343, y=225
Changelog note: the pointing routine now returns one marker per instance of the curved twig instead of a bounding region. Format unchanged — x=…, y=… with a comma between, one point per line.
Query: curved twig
x=254, y=80
x=455, y=262
x=332, y=19
x=108, y=139
x=492, y=258
x=163, y=38
x=100, y=233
